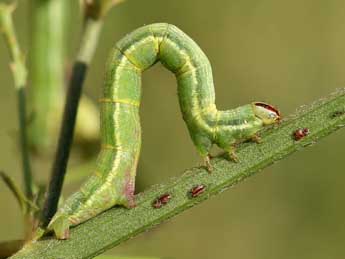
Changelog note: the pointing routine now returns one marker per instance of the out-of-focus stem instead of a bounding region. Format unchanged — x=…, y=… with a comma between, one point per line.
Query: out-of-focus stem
x=47, y=68
x=23, y=202
x=20, y=74
x=47, y=71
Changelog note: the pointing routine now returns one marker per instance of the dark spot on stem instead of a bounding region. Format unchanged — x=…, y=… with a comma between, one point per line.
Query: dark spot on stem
x=300, y=133
x=161, y=201
x=337, y=114
x=197, y=190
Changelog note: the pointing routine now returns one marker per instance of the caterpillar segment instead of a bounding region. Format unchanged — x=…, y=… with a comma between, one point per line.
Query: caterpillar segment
x=113, y=180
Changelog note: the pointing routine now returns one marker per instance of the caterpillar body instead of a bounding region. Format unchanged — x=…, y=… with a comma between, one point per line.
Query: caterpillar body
x=113, y=180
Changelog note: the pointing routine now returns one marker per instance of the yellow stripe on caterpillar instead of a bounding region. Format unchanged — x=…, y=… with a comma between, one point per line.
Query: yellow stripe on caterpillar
x=105, y=146
x=124, y=101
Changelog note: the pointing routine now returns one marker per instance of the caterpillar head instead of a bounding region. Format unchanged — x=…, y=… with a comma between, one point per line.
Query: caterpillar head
x=266, y=112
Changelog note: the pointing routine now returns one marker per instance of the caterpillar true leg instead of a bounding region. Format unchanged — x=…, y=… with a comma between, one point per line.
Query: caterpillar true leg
x=232, y=154
x=207, y=163
x=113, y=180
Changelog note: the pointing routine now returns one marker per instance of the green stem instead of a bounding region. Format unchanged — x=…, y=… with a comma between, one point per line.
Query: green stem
x=23, y=202
x=119, y=224
x=28, y=179
x=20, y=74
x=47, y=68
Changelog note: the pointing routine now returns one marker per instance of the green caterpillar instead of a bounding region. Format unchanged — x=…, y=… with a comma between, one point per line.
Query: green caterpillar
x=113, y=181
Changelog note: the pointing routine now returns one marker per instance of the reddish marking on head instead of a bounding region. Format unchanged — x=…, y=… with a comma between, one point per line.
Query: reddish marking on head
x=197, y=190
x=161, y=200
x=269, y=107
x=301, y=133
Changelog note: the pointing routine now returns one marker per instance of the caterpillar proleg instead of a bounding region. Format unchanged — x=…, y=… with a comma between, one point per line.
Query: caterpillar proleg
x=113, y=180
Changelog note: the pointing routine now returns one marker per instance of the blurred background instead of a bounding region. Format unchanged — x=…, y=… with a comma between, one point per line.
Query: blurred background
x=288, y=53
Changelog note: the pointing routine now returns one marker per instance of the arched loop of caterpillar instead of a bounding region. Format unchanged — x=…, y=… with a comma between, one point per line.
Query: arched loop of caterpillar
x=114, y=177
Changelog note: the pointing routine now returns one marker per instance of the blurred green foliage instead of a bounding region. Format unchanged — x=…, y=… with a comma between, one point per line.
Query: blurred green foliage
x=284, y=52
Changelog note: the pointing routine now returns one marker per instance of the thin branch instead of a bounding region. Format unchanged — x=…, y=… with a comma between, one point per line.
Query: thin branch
x=89, y=41
x=20, y=74
x=119, y=224
x=23, y=201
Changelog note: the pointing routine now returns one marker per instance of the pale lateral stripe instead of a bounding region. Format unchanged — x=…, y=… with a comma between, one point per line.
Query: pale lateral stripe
x=123, y=101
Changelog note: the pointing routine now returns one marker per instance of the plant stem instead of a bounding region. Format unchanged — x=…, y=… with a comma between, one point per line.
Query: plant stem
x=23, y=202
x=84, y=57
x=20, y=74
x=116, y=225
x=47, y=69
x=28, y=179
x=89, y=40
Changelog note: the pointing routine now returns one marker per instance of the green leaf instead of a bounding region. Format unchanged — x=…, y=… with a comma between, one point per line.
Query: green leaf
x=119, y=224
